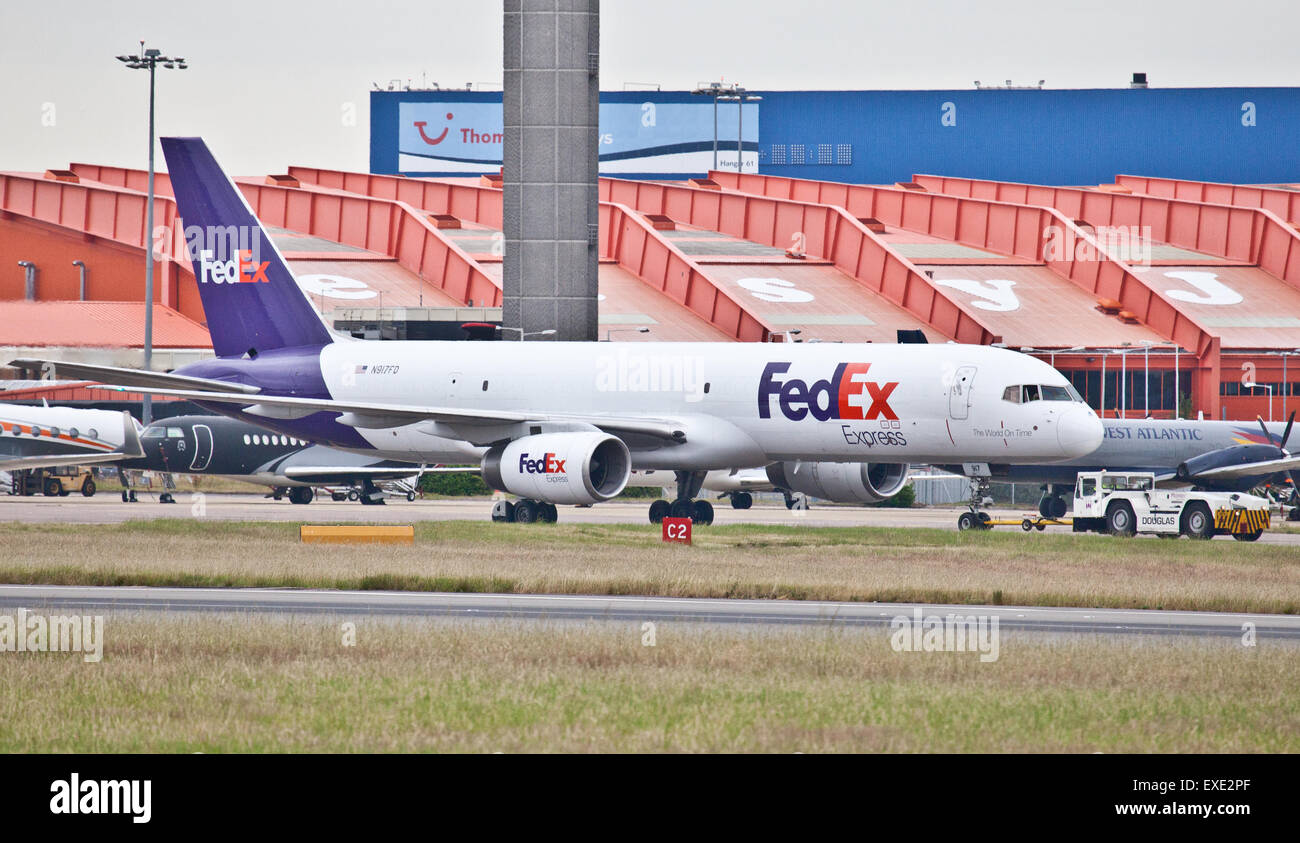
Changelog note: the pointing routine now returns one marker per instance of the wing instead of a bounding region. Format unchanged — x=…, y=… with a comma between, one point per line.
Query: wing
x=377, y=416
x=51, y=461
x=1250, y=469
x=126, y=377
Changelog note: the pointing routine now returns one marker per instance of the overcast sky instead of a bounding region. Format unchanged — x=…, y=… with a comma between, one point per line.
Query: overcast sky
x=274, y=82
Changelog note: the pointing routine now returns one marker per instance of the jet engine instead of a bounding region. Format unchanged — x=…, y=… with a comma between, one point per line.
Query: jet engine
x=845, y=482
x=563, y=468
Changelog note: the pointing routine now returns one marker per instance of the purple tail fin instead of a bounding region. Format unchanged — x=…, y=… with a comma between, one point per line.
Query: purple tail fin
x=250, y=298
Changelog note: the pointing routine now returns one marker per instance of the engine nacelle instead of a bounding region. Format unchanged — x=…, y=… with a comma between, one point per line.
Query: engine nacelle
x=565, y=468
x=1235, y=455
x=844, y=482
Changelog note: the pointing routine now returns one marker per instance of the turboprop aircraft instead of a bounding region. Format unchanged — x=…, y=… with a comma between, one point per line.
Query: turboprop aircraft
x=565, y=422
x=1216, y=456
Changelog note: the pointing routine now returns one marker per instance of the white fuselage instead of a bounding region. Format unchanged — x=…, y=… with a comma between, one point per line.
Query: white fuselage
x=740, y=404
x=28, y=431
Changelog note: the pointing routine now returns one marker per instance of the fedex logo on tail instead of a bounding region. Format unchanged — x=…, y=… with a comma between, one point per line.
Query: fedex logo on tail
x=244, y=269
x=546, y=464
x=847, y=394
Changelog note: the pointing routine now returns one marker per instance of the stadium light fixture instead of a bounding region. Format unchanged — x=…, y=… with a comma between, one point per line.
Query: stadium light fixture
x=716, y=90
x=150, y=59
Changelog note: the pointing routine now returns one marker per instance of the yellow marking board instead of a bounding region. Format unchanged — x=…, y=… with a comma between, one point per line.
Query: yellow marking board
x=357, y=533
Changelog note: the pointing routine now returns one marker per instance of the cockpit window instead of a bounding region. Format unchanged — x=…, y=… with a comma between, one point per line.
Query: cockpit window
x=153, y=433
x=1034, y=392
x=175, y=433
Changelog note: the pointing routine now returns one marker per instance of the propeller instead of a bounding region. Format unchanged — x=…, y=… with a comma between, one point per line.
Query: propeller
x=1286, y=435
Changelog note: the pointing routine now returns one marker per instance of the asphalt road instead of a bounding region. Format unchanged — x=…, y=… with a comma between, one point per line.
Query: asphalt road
x=636, y=610
x=109, y=509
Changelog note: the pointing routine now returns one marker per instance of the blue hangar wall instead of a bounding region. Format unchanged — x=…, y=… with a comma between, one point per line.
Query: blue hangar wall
x=1245, y=135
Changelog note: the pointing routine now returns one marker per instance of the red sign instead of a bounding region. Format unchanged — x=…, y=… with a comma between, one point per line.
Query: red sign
x=677, y=530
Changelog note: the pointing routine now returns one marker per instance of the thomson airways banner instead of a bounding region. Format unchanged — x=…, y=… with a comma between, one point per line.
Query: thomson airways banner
x=641, y=137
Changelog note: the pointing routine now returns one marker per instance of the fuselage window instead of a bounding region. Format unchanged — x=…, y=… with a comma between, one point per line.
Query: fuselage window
x=74, y=433
x=36, y=431
x=248, y=440
x=92, y=433
x=54, y=431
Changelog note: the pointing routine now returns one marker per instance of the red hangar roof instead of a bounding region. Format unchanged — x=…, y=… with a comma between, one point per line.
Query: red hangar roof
x=1213, y=270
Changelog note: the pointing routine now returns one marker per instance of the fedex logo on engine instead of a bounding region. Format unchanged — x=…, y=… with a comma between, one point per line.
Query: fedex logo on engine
x=243, y=270
x=847, y=394
x=546, y=464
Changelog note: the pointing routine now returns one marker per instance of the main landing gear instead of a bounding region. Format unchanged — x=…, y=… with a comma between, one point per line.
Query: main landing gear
x=1052, y=504
x=686, y=505
x=741, y=500
x=524, y=512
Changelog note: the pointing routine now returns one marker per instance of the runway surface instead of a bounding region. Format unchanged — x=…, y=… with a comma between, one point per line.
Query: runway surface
x=109, y=509
x=541, y=607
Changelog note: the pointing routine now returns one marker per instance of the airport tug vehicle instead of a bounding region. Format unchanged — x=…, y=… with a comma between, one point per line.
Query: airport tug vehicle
x=1122, y=504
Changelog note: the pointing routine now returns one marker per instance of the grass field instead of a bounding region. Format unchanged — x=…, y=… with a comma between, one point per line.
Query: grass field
x=862, y=564
x=253, y=685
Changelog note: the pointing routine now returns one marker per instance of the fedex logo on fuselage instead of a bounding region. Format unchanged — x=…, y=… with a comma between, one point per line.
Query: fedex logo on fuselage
x=847, y=394
x=546, y=464
x=244, y=269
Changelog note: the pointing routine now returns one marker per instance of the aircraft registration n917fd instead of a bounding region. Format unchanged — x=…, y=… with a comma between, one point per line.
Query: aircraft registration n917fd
x=565, y=423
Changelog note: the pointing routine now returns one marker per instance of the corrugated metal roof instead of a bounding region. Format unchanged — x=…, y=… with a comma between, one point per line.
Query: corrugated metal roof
x=99, y=324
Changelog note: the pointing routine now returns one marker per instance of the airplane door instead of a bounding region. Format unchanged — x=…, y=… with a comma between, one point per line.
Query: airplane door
x=959, y=393
x=202, y=447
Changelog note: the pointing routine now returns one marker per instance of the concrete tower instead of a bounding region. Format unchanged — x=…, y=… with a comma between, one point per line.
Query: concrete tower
x=552, y=104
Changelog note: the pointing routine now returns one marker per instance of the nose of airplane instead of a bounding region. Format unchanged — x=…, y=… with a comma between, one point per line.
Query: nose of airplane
x=1079, y=432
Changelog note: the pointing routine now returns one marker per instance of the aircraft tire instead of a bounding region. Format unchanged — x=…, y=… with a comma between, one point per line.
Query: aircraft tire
x=680, y=508
x=526, y=512
x=741, y=500
x=658, y=511
x=702, y=512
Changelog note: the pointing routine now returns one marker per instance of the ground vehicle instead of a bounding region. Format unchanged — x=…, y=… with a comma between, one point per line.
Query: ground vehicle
x=52, y=482
x=1124, y=503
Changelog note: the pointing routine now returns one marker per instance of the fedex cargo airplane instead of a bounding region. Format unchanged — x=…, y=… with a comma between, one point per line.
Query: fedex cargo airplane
x=565, y=423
